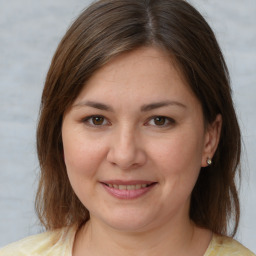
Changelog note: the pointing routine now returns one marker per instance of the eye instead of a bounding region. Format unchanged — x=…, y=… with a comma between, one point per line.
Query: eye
x=96, y=120
x=161, y=121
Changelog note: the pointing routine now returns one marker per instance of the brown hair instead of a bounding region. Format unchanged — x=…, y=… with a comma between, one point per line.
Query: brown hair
x=111, y=27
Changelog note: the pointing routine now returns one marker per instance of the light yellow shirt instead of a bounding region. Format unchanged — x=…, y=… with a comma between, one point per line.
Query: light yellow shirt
x=60, y=243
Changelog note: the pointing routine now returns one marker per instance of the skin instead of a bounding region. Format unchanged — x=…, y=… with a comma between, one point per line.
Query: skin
x=127, y=142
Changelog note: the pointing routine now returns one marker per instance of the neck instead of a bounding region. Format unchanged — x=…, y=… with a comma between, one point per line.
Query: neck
x=96, y=238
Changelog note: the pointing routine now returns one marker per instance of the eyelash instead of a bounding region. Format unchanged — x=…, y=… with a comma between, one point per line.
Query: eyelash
x=167, y=121
x=89, y=121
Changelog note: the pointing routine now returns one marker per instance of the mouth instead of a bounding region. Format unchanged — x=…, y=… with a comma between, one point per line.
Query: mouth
x=128, y=190
x=128, y=187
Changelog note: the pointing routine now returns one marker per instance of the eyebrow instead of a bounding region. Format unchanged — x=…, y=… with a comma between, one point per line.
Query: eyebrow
x=94, y=104
x=144, y=108
x=161, y=104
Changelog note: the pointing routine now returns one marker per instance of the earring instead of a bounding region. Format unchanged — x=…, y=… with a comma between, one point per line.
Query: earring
x=209, y=161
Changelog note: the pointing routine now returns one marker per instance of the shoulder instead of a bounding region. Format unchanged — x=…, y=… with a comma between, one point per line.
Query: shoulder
x=57, y=242
x=223, y=245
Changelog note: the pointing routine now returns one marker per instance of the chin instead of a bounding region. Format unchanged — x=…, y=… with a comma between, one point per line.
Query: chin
x=129, y=221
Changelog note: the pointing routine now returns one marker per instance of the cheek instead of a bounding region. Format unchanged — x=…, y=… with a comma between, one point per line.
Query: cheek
x=181, y=150
x=82, y=156
x=179, y=163
x=179, y=160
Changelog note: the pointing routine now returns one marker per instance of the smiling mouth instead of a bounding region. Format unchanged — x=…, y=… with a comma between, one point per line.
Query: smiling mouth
x=129, y=187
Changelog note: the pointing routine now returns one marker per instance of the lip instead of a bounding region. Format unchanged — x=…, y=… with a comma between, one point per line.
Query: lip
x=131, y=182
x=131, y=193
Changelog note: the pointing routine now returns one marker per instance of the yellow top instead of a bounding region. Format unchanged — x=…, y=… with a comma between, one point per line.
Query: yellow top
x=60, y=242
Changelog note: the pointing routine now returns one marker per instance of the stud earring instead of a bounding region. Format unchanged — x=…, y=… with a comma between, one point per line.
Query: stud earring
x=209, y=161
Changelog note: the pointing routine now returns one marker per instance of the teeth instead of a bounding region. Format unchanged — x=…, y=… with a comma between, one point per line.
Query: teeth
x=128, y=187
x=138, y=186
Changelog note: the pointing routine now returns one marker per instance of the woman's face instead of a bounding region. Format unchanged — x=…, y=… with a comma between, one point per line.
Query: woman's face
x=134, y=142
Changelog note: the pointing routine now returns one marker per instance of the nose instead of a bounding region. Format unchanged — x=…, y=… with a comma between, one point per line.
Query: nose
x=125, y=149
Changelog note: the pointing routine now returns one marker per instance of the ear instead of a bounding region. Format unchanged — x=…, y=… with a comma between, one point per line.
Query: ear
x=211, y=140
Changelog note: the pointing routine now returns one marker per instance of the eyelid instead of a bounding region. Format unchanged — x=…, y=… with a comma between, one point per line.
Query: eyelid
x=170, y=120
x=86, y=121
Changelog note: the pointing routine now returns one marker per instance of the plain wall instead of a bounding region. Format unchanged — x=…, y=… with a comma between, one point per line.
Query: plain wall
x=29, y=34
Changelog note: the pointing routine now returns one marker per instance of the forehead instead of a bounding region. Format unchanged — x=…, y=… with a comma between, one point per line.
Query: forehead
x=144, y=75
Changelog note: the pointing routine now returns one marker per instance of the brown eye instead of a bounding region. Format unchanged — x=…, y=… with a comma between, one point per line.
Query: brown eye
x=160, y=120
x=95, y=121
x=98, y=120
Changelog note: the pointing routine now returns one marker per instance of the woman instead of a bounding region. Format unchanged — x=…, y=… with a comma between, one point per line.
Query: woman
x=137, y=140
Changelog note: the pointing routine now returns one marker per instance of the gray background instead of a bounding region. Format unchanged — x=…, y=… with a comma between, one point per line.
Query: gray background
x=29, y=34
